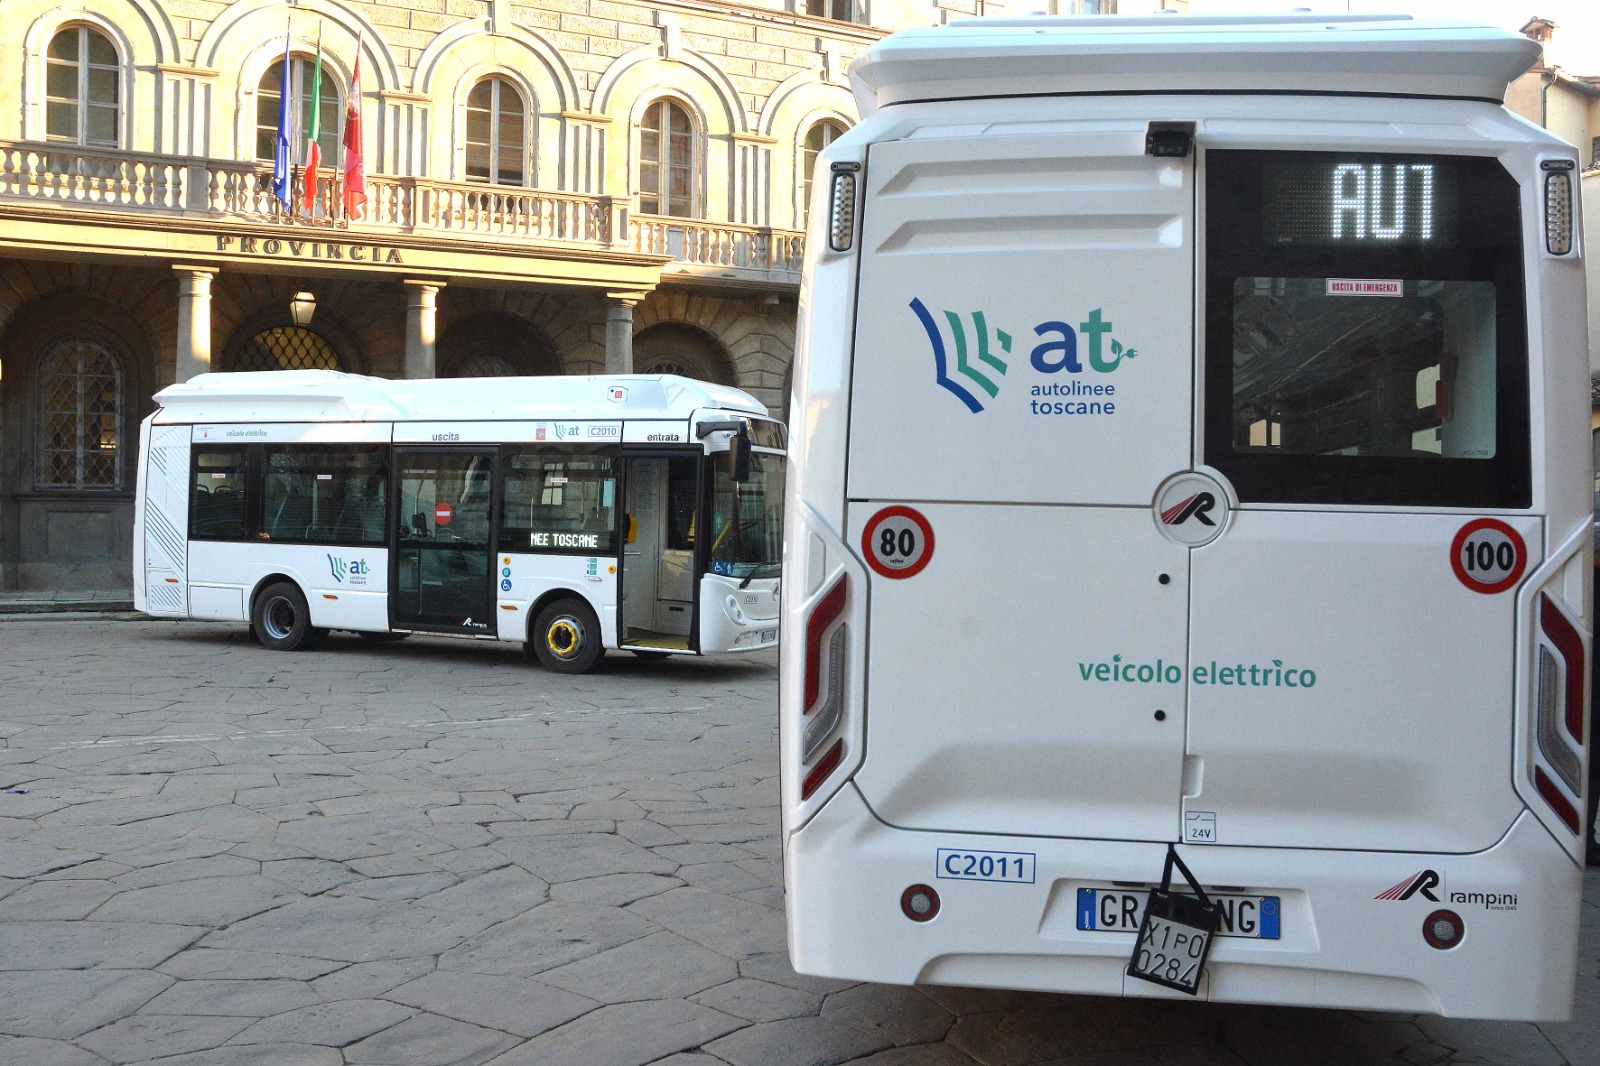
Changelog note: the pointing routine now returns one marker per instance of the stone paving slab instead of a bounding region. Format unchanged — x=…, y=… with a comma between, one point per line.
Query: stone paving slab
x=433, y=853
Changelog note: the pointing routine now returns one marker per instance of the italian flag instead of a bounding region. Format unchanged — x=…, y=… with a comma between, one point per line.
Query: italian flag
x=313, y=150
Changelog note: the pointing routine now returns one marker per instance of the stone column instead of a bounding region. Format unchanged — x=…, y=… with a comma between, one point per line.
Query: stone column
x=422, y=308
x=619, y=334
x=194, y=320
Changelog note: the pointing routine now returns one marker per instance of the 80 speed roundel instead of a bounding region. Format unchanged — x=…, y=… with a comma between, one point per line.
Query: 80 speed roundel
x=898, y=542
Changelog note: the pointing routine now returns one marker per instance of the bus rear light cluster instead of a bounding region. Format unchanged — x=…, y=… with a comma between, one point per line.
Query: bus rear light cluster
x=827, y=641
x=1443, y=930
x=1560, y=685
x=1560, y=712
x=1558, y=206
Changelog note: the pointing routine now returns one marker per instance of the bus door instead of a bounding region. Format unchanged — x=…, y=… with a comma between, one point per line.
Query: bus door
x=444, y=521
x=659, y=576
x=1351, y=664
x=1021, y=384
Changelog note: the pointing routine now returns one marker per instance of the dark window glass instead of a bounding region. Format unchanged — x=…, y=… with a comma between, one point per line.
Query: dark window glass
x=286, y=348
x=683, y=487
x=330, y=110
x=1366, y=367
x=666, y=161
x=217, y=500
x=496, y=139
x=818, y=138
x=324, y=493
x=747, y=518
x=81, y=88
x=79, y=417
x=559, y=500
x=1320, y=374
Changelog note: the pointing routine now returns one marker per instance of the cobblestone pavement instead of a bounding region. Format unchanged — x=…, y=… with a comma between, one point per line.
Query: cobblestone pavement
x=430, y=853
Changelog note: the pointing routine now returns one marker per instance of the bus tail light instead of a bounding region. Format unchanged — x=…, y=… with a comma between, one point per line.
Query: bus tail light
x=1558, y=206
x=1443, y=929
x=920, y=903
x=1560, y=685
x=823, y=770
x=827, y=638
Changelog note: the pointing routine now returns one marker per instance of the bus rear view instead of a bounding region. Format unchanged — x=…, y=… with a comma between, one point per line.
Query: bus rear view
x=1188, y=544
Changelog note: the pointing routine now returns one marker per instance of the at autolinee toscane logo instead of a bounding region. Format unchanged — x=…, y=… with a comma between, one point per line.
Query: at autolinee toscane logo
x=969, y=368
x=964, y=366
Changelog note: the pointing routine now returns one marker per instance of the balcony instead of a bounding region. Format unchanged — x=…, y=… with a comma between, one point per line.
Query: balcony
x=189, y=189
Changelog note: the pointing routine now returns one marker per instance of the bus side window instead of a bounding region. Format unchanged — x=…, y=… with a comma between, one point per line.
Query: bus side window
x=559, y=489
x=217, y=498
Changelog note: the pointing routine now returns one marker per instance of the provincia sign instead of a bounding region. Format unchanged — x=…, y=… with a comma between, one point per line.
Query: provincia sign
x=288, y=248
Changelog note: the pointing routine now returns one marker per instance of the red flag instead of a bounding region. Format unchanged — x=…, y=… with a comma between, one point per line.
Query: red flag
x=355, y=171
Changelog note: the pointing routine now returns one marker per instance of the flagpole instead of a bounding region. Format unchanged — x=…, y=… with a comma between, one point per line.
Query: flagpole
x=283, y=151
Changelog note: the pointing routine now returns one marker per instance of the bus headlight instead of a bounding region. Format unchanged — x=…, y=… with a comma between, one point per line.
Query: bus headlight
x=735, y=612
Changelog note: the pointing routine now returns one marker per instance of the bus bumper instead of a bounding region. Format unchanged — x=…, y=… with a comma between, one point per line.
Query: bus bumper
x=1340, y=945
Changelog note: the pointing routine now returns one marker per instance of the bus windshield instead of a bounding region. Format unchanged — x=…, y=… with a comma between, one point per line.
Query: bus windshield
x=747, y=519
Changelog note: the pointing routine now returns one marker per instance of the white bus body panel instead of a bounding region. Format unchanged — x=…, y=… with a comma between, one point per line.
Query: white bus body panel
x=968, y=723
x=1403, y=738
x=165, y=522
x=345, y=587
x=1341, y=946
x=1079, y=209
x=1004, y=743
x=590, y=578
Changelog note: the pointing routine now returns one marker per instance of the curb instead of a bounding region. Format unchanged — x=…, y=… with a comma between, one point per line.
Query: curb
x=94, y=607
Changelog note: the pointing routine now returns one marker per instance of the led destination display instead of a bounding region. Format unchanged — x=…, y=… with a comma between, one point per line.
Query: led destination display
x=1362, y=201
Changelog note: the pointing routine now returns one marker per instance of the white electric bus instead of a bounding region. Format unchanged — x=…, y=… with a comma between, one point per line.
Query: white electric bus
x=492, y=508
x=1190, y=475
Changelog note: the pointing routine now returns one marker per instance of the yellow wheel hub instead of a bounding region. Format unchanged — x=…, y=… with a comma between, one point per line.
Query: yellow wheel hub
x=563, y=638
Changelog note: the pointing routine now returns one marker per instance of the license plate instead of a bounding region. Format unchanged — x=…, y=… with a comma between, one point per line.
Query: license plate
x=1173, y=942
x=768, y=636
x=1116, y=910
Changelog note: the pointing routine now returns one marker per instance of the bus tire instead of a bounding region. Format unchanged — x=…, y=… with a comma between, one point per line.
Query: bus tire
x=566, y=637
x=282, y=619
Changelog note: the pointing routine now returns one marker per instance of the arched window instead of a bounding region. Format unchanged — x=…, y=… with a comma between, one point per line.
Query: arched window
x=270, y=91
x=286, y=348
x=79, y=416
x=818, y=137
x=82, y=88
x=486, y=365
x=676, y=348
x=497, y=133
x=666, y=161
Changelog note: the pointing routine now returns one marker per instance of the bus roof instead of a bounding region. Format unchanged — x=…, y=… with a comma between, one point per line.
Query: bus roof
x=330, y=396
x=1300, y=53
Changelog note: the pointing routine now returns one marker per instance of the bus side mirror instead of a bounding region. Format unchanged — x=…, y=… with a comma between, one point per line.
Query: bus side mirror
x=739, y=458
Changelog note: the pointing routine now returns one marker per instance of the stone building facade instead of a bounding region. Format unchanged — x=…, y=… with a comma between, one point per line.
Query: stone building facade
x=555, y=187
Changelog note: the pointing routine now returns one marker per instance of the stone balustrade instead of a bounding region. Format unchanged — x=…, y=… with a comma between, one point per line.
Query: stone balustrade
x=195, y=189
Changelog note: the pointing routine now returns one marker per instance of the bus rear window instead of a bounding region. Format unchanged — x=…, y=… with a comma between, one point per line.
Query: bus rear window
x=1365, y=335
x=1317, y=371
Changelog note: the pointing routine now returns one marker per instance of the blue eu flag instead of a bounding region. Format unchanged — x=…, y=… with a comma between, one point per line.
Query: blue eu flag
x=281, y=180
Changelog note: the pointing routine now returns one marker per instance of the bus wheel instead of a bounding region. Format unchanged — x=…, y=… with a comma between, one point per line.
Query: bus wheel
x=566, y=637
x=283, y=620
